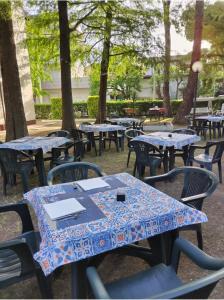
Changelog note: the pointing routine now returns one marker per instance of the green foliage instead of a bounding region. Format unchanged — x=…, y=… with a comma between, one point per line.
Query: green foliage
x=92, y=106
x=42, y=110
x=94, y=79
x=5, y=10
x=56, y=108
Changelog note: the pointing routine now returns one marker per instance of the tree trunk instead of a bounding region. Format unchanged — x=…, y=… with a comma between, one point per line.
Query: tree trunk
x=104, y=68
x=15, y=116
x=189, y=91
x=65, y=61
x=158, y=91
x=166, y=88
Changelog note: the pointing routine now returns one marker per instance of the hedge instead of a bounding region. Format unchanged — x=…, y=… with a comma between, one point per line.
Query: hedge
x=45, y=111
x=92, y=106
x=42, y=110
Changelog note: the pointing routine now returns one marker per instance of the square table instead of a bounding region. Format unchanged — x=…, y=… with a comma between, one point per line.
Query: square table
x=214, y=122
x=169, y=141
x=38, y=145
x=121, y=121
x=101, y=128
x=107, y=224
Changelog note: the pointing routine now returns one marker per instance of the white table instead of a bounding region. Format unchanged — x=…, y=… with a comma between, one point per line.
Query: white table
x=169, y=141
x=39, y=145
x=101, y=128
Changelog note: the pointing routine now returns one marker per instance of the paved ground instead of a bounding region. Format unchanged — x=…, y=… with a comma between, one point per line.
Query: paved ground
x=114, y=266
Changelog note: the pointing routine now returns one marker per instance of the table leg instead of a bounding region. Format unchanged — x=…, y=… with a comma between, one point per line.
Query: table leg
x=100, y=143
x=165, y=160
x=39, y=159
x=171, y=158
x=79, y=280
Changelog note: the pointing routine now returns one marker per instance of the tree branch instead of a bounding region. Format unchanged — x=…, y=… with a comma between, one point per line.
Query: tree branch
x=82, y=19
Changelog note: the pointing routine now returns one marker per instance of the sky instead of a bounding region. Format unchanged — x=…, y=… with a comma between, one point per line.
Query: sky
x=180, y=45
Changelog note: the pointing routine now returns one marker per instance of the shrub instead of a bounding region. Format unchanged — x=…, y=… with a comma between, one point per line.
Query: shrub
x=56, y=108
x=92, y=106
x=42, y=110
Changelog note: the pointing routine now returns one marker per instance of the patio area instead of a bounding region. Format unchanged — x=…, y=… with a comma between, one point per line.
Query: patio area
x=114, y=266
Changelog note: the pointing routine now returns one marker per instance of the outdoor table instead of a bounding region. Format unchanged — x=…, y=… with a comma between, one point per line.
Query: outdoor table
x=39, y=146
x=121, y=121
x=106, y=225
x=101, y=128
x=169, y=141
x=214, y=121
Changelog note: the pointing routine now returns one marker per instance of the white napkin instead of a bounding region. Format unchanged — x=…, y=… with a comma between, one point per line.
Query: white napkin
x=63, y=208
x=92, y=183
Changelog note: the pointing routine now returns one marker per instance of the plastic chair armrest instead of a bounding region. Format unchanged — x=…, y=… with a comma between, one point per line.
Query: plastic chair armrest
x=22, y=210
x=193, y=198
x=154, y=179
x=190, y=287
x=199, y=257
x=96, y=284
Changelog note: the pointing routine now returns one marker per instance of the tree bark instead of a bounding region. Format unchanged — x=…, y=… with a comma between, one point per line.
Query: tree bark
x=68, y=121
x=166, y=88
x=104, y=67
x=15, y=122
x=158, y=90
x=189, y=91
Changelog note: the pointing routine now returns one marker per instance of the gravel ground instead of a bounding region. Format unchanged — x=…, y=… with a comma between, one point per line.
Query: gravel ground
x=115, y=266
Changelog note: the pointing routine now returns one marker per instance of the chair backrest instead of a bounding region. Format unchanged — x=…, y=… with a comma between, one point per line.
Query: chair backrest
x=73, y=171
x=187, y=182
x=219, y=148
x=131, y=133
x=143, y=151
x=60, y=133
x=8, y=160
x=222, y=108
x=76, y=134
x=185, y=131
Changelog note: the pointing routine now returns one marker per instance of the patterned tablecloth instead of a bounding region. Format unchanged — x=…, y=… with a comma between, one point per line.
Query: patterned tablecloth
x=101, y=127
x=34, y=143
x=211, y=118
x=162, y=139
x=125, y=120
x=106, y=224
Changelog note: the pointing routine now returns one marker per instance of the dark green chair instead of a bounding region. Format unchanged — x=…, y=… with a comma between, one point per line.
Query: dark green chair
x=184, y=152
x=73, y=171
x=206, y=160
x=162, y=281
x=16, y=255
x=191, y=186
x=130, y=134
x=14, y=162
x=147, y=155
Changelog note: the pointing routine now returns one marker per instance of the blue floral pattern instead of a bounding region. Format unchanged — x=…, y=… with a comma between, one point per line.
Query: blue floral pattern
x=146, y=212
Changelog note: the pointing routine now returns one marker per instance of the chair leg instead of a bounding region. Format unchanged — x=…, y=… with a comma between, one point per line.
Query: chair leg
x=44, y=285
x=129, y=154
x=199, y=237
x=134, y=171
x=220, y=171
x=25, y=182
x=4, y=184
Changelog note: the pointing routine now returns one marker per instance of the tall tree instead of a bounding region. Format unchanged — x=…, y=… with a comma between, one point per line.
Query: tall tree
x=15, y=116
x=65, y=61
x=189, y=91
x=166, y=83
x=104, y=65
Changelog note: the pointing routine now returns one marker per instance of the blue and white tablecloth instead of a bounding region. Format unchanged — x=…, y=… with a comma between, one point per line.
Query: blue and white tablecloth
x=177, y=140
x=106, y=224
x=211, y=118
x=101, y=128
x=125, y=120
x=34, y=143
